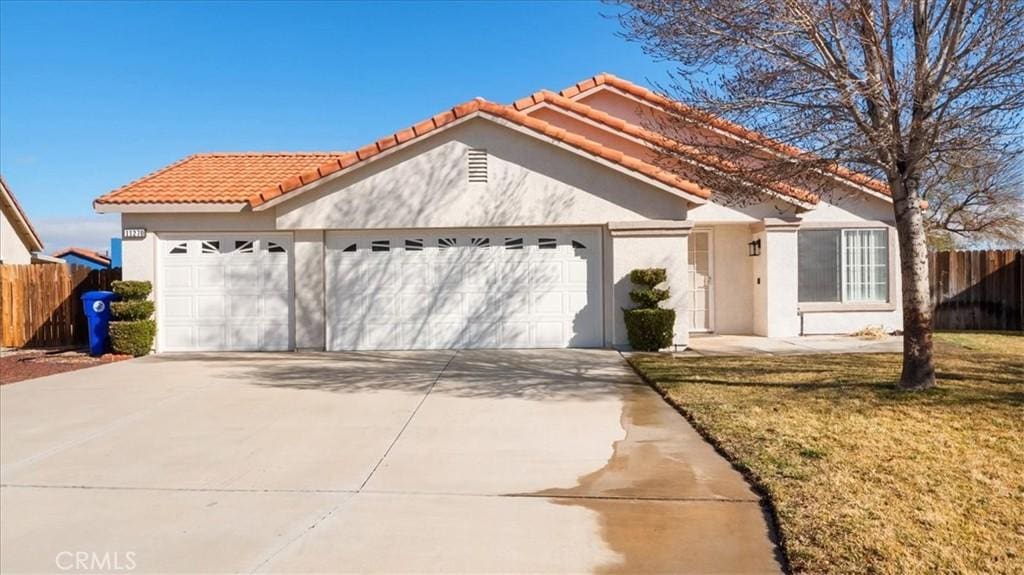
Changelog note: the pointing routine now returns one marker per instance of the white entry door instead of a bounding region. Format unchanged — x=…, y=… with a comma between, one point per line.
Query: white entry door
x=510, y=288
x=701, y=266
x=225, y=292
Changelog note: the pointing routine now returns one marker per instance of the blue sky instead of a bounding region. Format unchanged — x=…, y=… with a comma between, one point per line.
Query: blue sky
x=94, y=95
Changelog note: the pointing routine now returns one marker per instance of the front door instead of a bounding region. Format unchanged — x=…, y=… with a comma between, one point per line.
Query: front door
x=700, y=265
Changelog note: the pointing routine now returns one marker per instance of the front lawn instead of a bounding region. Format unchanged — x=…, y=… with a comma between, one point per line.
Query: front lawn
x=864, y=478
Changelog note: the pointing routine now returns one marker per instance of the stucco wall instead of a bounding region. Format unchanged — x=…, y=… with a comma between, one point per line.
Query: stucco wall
x=626, y=253
x=12, y=250
x=530, y=183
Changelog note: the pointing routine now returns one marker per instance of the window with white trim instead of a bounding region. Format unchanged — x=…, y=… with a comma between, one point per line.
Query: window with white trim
x=843, y=265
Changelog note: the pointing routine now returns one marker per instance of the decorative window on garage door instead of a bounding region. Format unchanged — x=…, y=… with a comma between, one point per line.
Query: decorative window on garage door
x=210, y=247
x=179, y=249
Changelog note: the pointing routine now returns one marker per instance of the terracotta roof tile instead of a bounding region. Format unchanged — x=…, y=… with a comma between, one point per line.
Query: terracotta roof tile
x=717, y=122
x=697, y=155
x=217, y=177
x=480, y=105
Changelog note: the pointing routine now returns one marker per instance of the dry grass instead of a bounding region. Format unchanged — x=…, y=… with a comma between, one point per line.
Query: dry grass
x=865, y=478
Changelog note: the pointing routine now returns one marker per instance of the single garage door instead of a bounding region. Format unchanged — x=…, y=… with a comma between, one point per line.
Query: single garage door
x=464, y=289
x=225, y=292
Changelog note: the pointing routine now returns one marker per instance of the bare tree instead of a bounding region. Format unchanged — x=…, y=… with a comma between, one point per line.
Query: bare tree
x=888, y=88
x=976, y=201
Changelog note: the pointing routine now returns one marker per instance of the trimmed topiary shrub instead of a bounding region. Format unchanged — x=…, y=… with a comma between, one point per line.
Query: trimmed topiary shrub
x=132, y=331
x=648, y=326
x=132, y=310
x=132, y=337
x=132, y=290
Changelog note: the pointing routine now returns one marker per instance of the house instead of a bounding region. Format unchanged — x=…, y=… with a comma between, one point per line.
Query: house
x=84, y=257
x=18, y=239
x=493, y=225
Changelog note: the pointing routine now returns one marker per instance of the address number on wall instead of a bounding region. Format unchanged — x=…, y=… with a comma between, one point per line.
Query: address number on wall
x=133, y=234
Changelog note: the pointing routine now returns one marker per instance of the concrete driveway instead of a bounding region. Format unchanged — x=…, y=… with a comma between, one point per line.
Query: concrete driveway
x=438, y=462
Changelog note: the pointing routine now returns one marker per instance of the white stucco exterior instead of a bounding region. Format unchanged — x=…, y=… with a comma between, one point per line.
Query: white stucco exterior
x=533, y=184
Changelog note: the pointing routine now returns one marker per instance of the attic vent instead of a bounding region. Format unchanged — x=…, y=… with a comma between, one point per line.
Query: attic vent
x=477, y=160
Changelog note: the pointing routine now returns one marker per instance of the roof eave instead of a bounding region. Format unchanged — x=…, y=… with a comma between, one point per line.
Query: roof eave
x=168, y=207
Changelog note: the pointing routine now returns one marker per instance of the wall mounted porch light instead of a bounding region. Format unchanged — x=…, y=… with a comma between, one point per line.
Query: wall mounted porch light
x=754, y=248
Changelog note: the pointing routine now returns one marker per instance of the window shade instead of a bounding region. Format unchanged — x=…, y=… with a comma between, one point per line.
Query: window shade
x=818, y=270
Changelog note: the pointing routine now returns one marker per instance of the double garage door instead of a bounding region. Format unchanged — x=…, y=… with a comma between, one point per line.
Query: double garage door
x=509, y=288
x=464, y=289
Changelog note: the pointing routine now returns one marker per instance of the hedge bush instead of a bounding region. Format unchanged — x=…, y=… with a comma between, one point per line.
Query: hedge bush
x=132, y=332
x=650, y=329
x=132, y=290
x=132, y=337
x=132, y=310
x=648, y=326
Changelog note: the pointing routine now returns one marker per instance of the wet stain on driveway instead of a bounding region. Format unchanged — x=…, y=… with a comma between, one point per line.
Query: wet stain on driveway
x=666, y=502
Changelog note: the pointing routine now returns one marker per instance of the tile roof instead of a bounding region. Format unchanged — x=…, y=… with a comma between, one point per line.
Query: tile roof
x=84, y=253
x=27, y=232
x=216, y=177
x=477, y=106
x=257, y=178
x=717, y=122
x=701, y=157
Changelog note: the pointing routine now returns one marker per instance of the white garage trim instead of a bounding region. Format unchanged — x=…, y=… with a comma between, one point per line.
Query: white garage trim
x=225, y=291
x=464, y=288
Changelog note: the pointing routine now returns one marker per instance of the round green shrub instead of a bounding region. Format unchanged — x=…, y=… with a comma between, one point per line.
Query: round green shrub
x=132, y=310
x=648, y=298
x=132, y=337
x=132, y=290
x=648, y=277
x=650, y=329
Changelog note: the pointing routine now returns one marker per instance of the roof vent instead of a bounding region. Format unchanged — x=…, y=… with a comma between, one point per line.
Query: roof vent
x=477, y=161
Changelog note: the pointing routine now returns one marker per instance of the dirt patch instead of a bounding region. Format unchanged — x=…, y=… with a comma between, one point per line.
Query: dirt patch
x=23, y=364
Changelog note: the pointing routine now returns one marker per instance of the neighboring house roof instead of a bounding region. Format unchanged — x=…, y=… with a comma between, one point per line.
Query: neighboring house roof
x=216, y=177
x=19, y=220
x=254, y=179
x=84, y=254
x=714, y=121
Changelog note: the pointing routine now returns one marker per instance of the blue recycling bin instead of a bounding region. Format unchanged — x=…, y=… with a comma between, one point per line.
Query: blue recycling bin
x=97, y=312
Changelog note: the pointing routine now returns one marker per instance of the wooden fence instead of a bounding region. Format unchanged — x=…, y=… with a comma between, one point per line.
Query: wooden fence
x=41, y=306
x=978, y=290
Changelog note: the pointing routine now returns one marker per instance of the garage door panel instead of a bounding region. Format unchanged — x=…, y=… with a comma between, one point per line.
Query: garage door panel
x=225, y=292
x=178, y=337
x=243, y=336
x=274, y=336
x=275, y=305
x=177, y=307
x=210, y=306
x=178, y=276
x=209, y=276
x=514, y=334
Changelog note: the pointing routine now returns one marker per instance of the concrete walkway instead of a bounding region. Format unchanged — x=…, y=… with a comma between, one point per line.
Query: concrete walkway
x=435, y=462
x=701, y=345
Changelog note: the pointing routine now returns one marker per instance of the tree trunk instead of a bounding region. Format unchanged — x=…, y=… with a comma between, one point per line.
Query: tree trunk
x=918, y=357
